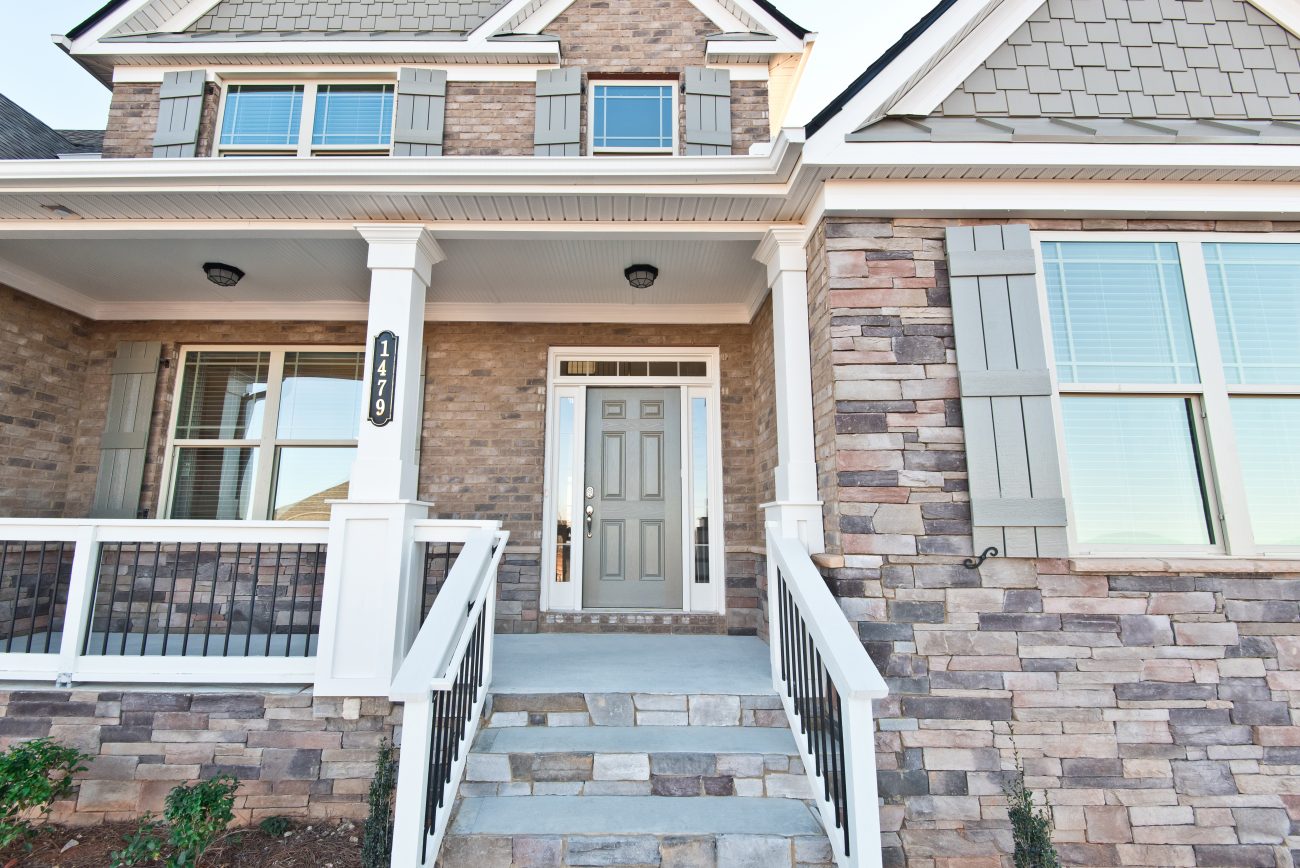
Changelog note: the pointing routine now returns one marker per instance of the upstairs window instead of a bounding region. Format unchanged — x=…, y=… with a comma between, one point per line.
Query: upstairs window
x=634, y=118
x=306, y=120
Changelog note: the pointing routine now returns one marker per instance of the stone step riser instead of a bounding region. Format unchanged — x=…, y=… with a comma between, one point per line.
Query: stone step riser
x=635, y=774
x=633, y=709
x=633, y=851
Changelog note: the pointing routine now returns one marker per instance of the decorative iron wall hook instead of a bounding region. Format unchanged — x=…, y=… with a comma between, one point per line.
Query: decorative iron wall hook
x=976, y=563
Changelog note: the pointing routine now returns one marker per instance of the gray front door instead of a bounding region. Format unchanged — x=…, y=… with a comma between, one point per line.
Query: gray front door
x=632, y=509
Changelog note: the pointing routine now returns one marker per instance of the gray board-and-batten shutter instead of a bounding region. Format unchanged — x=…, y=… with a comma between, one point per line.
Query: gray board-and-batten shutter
x=558, y=132
x=708, y=111
x=180, y=108
x=125, y=442
x=419, y=112
x=1012, y=459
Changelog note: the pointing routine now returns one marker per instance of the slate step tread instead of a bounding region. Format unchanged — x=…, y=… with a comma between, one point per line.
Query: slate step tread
x=633, y=815
x=636, y=739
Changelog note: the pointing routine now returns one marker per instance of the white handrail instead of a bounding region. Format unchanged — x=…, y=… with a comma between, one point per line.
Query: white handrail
x=431, y=667
x=856, y=681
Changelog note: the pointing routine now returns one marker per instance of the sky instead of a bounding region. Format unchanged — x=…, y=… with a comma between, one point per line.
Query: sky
x=34, y=71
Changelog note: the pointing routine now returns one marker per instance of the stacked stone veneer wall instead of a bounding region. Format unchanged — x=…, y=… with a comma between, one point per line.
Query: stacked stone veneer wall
x=1156, y=702
x=295, y=755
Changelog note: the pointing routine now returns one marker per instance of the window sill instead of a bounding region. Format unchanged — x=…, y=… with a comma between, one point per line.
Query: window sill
x=1186, y=564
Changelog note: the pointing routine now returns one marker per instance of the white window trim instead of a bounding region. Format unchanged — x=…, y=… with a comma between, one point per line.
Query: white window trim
x=1216, y=436
x=260, y=502
x=707, y=597
x=307, y=121
x=673, y=86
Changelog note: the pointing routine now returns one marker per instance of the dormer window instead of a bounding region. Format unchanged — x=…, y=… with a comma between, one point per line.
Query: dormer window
x=306, y=120
x=637, y=117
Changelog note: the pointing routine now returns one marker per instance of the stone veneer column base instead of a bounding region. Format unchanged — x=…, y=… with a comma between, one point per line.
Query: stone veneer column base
x=295, y=755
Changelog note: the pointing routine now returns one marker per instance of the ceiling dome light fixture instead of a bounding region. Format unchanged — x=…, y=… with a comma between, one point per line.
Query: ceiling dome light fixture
x=222, y=274
x=641, y=276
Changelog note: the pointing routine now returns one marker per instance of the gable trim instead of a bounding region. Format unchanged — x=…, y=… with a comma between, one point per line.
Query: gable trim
x=924, y=97
x=187, y=18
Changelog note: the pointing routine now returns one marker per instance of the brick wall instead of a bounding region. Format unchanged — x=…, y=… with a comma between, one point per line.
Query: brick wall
x=1154, y=702
x=41, y=373
x=749, y=115
x=295, y=755
x=490, y=119
x=132, y=121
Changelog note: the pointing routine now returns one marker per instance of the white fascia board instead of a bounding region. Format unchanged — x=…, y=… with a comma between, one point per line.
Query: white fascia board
x=745, y=175
x=934, y=87
x=873, y=98
x=443, y=48
x=504, y=72
x=111, y=22
x=748, y=47
x=1055, y=199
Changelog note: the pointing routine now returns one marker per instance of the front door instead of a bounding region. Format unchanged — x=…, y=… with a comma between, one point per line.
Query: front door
x=632, y=506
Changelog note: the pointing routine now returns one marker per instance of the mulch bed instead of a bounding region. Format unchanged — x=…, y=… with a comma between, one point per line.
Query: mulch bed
x=318, y=845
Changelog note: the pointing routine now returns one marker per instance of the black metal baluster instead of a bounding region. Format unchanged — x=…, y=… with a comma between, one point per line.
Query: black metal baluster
x=293, y=601
x=252, y=599
x=130, y=598
x=94, y=599
x=54, y=598
x=112, y=599
x=780, y=624
x=275, y=587
x=36, y=598
x=842, y=802
x=815, y=701
x=787, y=642
x=800, y=671
x=313, y=614
x=835, y=759
x=13, y=613
x=189, y=607
x=148, y=604
x=212, y=596
x=433, y=795
x=169, y=609
x=230, y=597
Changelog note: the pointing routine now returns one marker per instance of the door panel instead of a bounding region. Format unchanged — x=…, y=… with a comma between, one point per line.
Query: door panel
x=632, y=556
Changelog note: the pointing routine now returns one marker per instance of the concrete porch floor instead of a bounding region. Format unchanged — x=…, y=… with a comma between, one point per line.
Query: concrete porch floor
x=627, y=663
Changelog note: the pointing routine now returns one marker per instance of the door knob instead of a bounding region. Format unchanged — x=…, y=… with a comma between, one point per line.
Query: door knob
x=591, y=510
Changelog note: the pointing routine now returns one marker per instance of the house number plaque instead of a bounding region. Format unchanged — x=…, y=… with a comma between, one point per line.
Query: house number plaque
x=383, y=373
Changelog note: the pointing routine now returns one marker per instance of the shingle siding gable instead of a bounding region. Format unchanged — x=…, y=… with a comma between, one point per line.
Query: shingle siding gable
x=259, y=16
x=1210, y=59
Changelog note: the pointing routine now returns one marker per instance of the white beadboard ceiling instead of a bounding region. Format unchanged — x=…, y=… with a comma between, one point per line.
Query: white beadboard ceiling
x=302, y=270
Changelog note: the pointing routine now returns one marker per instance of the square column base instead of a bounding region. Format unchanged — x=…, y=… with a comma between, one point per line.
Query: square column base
x=801, y=521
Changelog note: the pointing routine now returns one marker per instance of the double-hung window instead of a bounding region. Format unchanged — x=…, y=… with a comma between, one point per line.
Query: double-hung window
x=637, y=117
x=306, y=119
x=1178, y=372
x=263, y=434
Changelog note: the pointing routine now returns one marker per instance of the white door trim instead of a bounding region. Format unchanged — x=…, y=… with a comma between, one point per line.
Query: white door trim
x=707, y=597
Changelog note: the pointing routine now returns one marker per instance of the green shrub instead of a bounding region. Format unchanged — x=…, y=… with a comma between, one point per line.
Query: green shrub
x=194, y=817
x=377, y=837
x=1031, y=826
x=33, y=775
x=274, y=826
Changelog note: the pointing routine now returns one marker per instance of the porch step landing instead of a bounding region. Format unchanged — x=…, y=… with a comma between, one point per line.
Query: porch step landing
x=666, y=758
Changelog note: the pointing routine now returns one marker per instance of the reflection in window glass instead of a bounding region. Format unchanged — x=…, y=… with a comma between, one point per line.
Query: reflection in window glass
x=633, y=116
x=353, y=114
x=213, y=483
x=262, y=114
x=564, y=491
x=1135, y=478
x=321, y=396
x=1268, y=443
x=1255, y=289
x=1118, y=313
x=700, y=486
x=223, y=396
x=307, y=477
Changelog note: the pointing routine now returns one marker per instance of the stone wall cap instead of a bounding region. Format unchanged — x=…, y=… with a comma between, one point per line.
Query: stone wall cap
x=1113, y=565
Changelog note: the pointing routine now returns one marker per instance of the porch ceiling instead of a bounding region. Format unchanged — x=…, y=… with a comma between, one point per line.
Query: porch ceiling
x=324, y=276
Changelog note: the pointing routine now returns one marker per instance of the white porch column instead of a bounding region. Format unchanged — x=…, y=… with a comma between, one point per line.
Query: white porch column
x=797, y=510
x=372, y=574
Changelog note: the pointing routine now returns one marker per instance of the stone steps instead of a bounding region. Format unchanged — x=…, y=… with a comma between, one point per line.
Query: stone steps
x=634, y=709
x=727, y=832
x=679, y=761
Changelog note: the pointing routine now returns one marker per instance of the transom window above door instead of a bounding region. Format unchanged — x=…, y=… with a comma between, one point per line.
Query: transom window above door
x=633, y=117
x=306, y=120
x=263, y=433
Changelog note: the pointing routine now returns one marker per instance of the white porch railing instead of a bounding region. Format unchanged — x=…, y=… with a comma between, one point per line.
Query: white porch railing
x=826, y=682
x=444, y=683
x=83, y=600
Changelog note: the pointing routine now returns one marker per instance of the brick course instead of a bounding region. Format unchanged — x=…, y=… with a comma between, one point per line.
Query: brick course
x=295, y=755
x=1151, y=701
